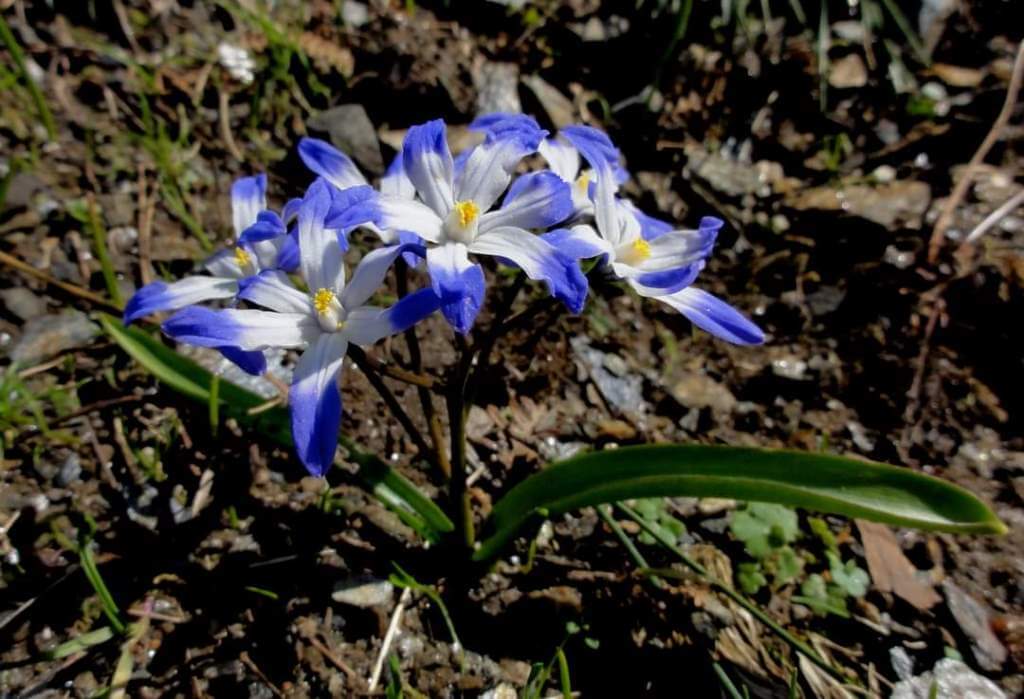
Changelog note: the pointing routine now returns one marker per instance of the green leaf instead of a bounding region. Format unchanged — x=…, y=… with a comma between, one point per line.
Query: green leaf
x=764, y=527
x=835, y=484
x=750, y=577
x=822, y=597
x=192, y=380
x=786, y=565
x=849, y=577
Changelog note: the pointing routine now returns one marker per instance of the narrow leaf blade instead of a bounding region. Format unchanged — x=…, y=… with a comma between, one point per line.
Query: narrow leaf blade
x=822, y=482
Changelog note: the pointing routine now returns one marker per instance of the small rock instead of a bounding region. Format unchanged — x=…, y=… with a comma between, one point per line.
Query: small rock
x=49, y=335
x=884, y=174
x=23, y=303
x=974, y=621
x=497, y=87
x=698, y=390
x=352, y=132
x=790, y=368
x=951, y=678
x=354, y=14
x=71, y=471
x=849, y=71
x=624, y=393
x=902, y=663
x=616, y=429
x=502, y=691
x=363, y=593
x=558, y=107
x=889, y=205
x=958, y=76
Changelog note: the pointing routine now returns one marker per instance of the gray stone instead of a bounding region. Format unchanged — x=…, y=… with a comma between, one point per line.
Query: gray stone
x=47, y=336
x=351, y=131
x=698, y=390
x=23, y=303
x=973, y=620
x=949, y=678
x=497, y=87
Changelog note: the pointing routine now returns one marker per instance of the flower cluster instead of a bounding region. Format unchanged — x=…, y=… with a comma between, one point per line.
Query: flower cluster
x=285, y=276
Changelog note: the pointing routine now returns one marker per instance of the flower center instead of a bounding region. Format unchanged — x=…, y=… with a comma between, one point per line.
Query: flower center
x=242, y=258
x=462, y=222
x=634, y=253
x=322, y=300
x=467, y=212
x=329, y=313
x=583, y=183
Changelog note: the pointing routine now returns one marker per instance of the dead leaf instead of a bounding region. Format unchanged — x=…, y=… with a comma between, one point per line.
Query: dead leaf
x=890, y=570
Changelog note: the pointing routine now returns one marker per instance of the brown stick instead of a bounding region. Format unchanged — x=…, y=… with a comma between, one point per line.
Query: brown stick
x=962, y=185
x=24, y=267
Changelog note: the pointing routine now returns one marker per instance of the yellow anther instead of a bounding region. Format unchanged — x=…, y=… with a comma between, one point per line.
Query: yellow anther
x=242, y=257
x=583, y=182
x=467, y=212
x=641, y=249
x=322, y=300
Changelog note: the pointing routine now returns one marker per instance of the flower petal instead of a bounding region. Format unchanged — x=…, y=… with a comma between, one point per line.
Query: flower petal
x=578, y=242
x=272, y=289
x=388, y=213
x=713, y=315
x=539, y=260
x=561, y=157
x=458, y=283
x=248, y=199
x=597, y=149
x=288, y=257
x=250, y=362
x=266, y=226
x=161, y=296
x=537, y=200
x=315, y=402
x=489, y=167
x=368, y=324
x=370, y=272
x=330, y=163
x=320, y=253
x=395, y=182
x=428, y=164
x=650, y=227
x=246, y=329
x=224, y=264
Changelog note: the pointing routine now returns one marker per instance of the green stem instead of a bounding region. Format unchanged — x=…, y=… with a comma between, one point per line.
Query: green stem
x=605, y=513
x=7, y=36
x=732, y=594
x=99, y=239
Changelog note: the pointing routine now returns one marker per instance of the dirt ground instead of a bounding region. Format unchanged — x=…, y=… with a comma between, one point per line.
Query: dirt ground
x=830, y=145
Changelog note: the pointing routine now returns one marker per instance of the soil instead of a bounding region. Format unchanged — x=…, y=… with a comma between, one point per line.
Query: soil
x=231, y=559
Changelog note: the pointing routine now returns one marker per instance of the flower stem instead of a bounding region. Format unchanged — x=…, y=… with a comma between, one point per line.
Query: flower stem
x=416, y=365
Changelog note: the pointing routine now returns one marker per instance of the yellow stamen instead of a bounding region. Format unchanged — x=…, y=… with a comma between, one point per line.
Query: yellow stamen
x=467, y=212
x=242, y=257
x=583, y=182
x=641, y=249
x=322, y=300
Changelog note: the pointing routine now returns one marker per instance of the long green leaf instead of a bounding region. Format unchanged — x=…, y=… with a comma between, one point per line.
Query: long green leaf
x=897, y=496
x=187, y=377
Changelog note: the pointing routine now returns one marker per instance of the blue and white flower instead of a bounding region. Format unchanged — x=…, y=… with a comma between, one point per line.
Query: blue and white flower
x=323, y=321
x=454, y=215
x=259, y=244
x=661, y=265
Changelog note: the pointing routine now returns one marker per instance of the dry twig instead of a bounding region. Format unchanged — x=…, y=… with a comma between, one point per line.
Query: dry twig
x=962, y=185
